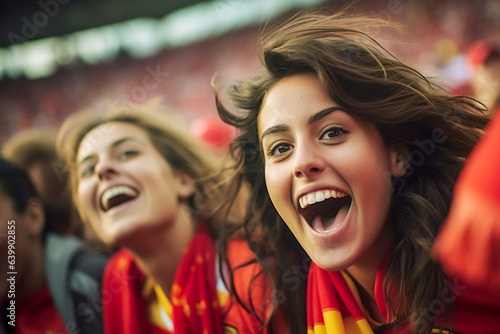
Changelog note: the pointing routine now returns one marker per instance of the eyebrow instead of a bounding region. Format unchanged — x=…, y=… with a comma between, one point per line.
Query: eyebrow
x=314, y=118
x=319, y=115
x=114, y=144
x=275, y=129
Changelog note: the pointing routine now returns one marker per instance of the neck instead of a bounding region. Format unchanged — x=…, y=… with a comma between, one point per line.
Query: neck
x=364, y=272
x=158, y=251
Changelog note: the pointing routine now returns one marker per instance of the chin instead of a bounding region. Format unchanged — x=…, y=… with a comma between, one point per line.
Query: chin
x=330, y=267
x=324, y=261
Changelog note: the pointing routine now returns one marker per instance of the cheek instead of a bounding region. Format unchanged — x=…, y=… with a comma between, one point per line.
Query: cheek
x=161, y=192
x=370, y=162
x=278, y=186
x=373, y=188
x=86, y=204
x=84, y=196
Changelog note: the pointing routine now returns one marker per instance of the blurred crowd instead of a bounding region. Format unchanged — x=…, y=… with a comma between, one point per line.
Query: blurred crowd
x=58, y=170
x=451, y=41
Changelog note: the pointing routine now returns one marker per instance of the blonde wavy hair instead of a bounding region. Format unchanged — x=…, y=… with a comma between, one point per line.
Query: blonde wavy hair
x=182, y=150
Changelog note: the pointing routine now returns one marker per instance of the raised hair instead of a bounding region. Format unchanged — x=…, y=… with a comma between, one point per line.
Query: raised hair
x=368, y=82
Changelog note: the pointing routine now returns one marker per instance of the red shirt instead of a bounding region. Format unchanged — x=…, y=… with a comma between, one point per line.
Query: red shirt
x=38, y=315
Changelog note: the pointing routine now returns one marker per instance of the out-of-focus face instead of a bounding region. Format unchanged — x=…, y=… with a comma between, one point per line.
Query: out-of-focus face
x=327, y=173
x=125, y=186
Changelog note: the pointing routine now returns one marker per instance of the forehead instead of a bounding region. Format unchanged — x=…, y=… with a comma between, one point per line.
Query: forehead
x=105, y=135
x=292, y=97
x=308, y=83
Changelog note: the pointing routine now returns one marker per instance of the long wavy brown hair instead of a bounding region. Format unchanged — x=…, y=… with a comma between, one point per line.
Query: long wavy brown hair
x=409, y=110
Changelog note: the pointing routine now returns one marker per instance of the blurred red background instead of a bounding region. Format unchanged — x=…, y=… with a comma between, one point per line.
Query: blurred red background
x=437, y=35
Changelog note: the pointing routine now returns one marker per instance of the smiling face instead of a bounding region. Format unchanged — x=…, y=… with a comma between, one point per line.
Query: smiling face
x=327, y=173
x=125, y=185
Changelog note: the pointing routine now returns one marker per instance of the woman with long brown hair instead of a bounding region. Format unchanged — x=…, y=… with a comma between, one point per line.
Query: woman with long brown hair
x=357, y=153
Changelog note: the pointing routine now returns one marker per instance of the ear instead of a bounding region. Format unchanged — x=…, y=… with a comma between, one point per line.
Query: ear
x=400, y=160
x=185, y=184
x=35, y=217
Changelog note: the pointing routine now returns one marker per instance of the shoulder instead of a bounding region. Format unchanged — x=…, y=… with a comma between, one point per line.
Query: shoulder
x=238, y=252
x=93, y=264
x=477, y=310
x=65, y=258
x=252, y=299
x=248, y=273
x=74, y=277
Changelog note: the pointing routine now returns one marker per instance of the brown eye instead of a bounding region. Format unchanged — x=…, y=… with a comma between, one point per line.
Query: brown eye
x=278, y=148
x=335, y=132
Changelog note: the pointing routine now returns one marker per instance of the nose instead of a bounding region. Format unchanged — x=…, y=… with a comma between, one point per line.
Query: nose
x=307, y=162
x=105, y=169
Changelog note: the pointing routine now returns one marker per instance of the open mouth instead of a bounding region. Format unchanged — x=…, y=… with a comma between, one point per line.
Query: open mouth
x=116, y=196
x=324, y=210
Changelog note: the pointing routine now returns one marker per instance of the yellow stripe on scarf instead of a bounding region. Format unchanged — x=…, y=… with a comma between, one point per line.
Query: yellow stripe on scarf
x=335, y=324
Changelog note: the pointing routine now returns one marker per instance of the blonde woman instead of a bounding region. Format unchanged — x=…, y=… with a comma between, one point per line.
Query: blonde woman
x=144, y=184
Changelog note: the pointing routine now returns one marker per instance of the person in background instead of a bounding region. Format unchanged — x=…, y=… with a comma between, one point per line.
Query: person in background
x=35, y=152
x=146, y=185
x=484, y=57
x=469, y=242
x=49, y=282
x=357, y=153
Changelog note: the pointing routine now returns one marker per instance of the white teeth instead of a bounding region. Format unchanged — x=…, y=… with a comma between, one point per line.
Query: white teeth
x=311, y=199
x=319, y=196
x=303, y=202
x=115, y=191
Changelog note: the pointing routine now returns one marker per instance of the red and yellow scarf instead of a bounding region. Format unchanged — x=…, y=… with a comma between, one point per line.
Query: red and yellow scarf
x=334, y=307
x=195, y=306
x=333, y=304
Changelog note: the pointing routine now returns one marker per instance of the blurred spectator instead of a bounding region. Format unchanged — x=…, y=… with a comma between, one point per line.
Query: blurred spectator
x=485, y=59
x=34, y=152
x=456, y=70
x=145, y=184
x=52, y=285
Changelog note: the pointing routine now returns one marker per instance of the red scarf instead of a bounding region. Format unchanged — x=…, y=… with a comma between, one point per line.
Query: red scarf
x=334, y=305
x=195, y=305
x=196, y=308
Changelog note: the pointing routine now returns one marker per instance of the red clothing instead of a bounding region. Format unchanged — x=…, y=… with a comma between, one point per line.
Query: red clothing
x=38, y=315
x=196, y=306
x=333, y=302
x=469, y=243
x=251, y=291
